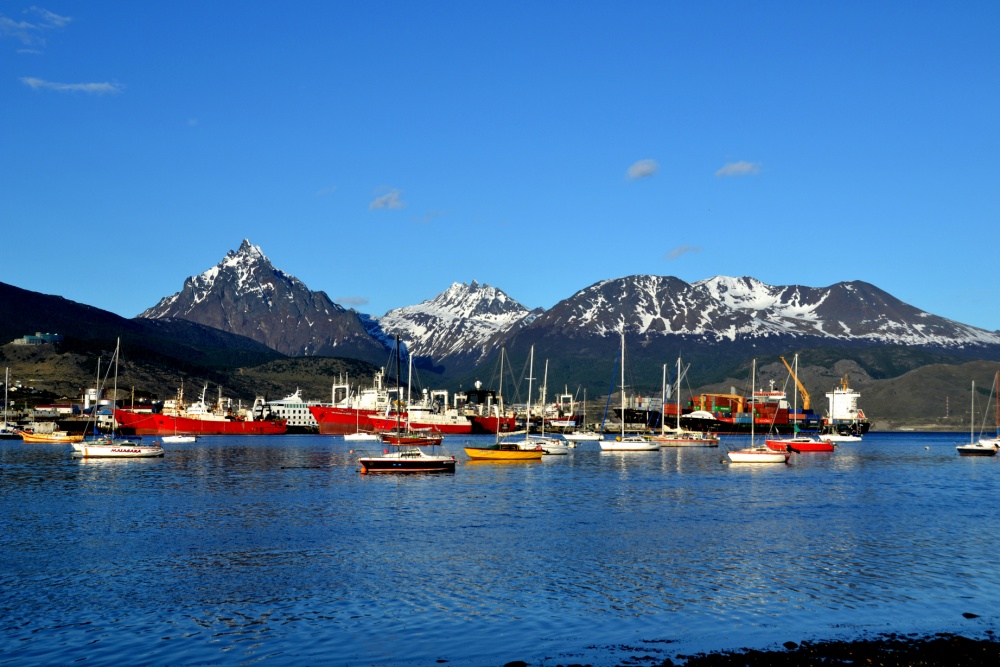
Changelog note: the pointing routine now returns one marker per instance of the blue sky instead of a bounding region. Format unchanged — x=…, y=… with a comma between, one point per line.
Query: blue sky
x=380, y=151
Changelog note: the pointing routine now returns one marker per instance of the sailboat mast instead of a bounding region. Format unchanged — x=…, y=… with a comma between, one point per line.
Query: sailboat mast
x=531, y=371
x=623, y=383
x=678, y=396
x=545, y=387
x=499, y=405
x=753, y=398
x=795, y=396
x=663, y=402
x=409, y=387
x=972, y=415
x=399, y=371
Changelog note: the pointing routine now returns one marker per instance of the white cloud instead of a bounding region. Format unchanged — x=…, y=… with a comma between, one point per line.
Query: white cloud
x=49, y=19
x=642, y=169
x=351, y=301
x=389, y=200
x=103, y=88
x=681, y=250
x=328, y=190
x=28, y=33
x=740, y=168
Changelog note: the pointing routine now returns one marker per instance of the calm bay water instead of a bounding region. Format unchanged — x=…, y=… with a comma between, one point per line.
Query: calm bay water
x=274, y=549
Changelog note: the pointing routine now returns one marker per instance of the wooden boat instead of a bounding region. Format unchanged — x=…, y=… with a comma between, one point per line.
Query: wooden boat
x=410, y=438
x=53, y=438
x=757, y=453
x=678, y=437
x=627, y=443
x=506, y=451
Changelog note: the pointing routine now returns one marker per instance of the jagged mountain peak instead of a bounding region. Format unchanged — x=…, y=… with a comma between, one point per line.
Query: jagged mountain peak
x=461, y=320
x=245, y=294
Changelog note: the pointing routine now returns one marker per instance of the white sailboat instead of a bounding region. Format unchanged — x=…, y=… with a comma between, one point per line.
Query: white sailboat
x=983, y=447
x=756, y=453
x=583, y=435
x=108, y=446
x=627, y=443
x=8, y=431
x=551, y=446
x=678, y=437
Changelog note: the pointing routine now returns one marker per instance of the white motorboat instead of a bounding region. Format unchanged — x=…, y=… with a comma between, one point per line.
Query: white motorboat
x=174, y=439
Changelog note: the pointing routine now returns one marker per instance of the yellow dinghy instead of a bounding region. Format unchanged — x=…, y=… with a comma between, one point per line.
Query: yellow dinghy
x=504, y=452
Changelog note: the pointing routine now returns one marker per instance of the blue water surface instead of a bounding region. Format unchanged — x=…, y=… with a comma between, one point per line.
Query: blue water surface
x=238, y=550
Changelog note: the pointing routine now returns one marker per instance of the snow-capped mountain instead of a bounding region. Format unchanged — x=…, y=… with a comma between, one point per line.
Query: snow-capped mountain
x=730, y=309
x=720, y=319
x=244, y=294
x=461, y=321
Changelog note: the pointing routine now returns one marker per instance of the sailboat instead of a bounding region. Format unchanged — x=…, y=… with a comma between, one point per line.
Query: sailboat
x=506, y=451
x=549, y=444
x=358, y=434
x=679, y=437
x=583, y=435
x=798, y=443
x=627, y=443
x=108, y=446
x=8, y=431
x=756, y=453
x=409, y=436
x=984, y=447
x=401, y=460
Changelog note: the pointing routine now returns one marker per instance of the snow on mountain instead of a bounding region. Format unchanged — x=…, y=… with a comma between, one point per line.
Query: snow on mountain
x=724, y=308
x=461, y=320
x=246, y=295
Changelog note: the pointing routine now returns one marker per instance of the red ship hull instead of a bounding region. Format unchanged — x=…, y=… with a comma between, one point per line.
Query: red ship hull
x=341, y=421
x=146, y=423
x=383, y=423
x=492, y=424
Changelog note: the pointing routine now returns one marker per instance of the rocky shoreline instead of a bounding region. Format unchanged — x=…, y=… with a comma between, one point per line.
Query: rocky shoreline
x=885, y=650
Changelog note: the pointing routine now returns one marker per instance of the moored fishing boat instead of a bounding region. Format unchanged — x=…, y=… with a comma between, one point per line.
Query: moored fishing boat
x=194, y=419
x=351, y=412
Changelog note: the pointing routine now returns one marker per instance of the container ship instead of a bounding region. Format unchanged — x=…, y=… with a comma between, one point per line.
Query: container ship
x=769, y=411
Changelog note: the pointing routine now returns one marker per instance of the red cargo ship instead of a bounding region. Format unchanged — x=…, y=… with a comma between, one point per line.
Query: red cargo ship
x=156, y=423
